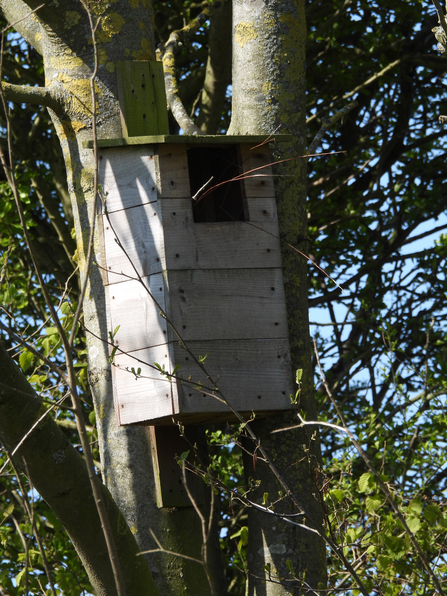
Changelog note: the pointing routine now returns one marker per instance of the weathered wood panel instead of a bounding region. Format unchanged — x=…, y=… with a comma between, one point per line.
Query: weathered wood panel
x=151, y=395
x=173, y=171
x=138, y=315
x=203, y=305
x=219, y=245
x=261, y=209
x=219, y=282
x=256, y=163
x=127, y=176
x=228, y=304
x=253, y=375
x=140, y=232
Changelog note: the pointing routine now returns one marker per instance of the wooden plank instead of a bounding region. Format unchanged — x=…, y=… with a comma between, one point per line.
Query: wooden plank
x=151, y=395
x=257, y=164
x=167, y=443
x=217, y=245
x=142, y=104
x=228, y=304
x=127, y=176
x=261, y=209
x=158, y=81
x=254, y=375
x=173, y=171
x=189, y=140
x=140, y=232
x=132, y=308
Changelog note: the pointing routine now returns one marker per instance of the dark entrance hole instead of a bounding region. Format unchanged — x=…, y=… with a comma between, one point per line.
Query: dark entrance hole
x=221, y=199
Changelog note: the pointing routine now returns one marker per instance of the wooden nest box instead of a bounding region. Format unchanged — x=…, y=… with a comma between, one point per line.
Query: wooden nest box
x=192, y=268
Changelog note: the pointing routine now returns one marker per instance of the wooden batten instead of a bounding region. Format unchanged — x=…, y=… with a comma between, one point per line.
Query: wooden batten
x=175, y=279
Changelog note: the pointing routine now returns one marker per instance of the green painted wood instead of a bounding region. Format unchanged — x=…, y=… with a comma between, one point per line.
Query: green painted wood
x=188, y=140
x=158, y=80
x=142, y=98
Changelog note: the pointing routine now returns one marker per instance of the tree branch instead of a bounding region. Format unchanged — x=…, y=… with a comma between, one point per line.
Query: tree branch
x=36, y=96
x=218, y=71
x=168, y=58
x=57, y=471
x=328, y=123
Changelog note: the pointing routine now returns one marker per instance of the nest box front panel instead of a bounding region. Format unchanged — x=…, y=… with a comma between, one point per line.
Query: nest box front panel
x=207, y=277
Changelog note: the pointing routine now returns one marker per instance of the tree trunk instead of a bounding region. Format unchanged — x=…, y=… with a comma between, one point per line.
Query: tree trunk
x=268, y=88
x=268, y=97
x=63, y=37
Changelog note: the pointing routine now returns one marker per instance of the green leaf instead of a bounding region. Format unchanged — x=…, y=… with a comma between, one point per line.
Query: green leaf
x=432, y=513
x=20, y=577
x=66, y=308
x=383, y=562
x=299, y=374
x=244, y=536
x=337, y=494
x=265, y=499
x=415, y=505
x=366, y=483
x=373, y=503
x=397, y=546
x=289, y=565
x=51, y=331
x=414, y=523
x=25, y=360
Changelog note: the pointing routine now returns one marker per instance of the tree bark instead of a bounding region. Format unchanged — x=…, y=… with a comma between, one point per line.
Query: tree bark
x=58, y=473
x=268, y=97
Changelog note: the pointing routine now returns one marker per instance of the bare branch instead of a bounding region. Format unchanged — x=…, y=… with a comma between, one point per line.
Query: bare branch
x=36, y=96
x=168, y=58
x=328, y=123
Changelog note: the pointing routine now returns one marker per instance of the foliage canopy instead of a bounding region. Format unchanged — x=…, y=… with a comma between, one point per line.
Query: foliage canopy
x=376, y=225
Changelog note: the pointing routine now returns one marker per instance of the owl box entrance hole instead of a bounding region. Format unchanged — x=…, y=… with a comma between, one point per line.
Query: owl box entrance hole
x=220, y=199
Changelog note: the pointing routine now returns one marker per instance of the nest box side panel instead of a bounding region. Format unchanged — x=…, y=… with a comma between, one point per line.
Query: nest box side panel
x=148, y=395
x=135, y=307
x=134, y=279
x=127, y=174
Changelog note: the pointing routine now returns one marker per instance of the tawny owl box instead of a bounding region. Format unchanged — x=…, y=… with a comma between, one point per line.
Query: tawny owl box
x=192, y=267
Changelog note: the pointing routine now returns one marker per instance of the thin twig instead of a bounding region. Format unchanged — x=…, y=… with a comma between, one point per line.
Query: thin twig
x=328, y=123
x=32, y=519
x=35, y=425
x=205, y=530
x=161, y=549
x=356, y=89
